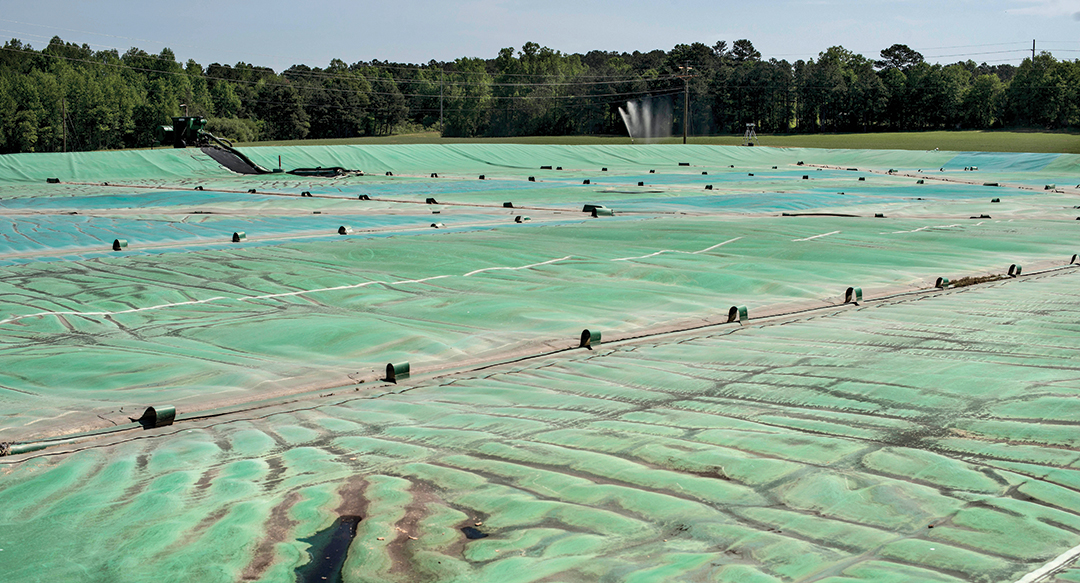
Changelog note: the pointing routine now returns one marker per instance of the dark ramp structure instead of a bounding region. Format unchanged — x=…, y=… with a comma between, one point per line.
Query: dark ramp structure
x=234, y=160
x=190, y=131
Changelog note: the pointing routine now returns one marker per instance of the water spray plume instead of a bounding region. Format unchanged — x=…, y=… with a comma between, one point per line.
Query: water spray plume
x=647, y=119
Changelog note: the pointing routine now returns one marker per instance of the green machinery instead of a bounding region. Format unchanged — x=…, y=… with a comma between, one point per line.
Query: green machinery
x=190, y=131
x=184, y=132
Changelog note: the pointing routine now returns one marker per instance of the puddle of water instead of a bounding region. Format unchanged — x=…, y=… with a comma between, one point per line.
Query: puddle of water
x=328, y=550
x=472, y=533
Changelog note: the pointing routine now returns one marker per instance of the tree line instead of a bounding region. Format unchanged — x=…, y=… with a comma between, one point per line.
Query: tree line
x=70, y=97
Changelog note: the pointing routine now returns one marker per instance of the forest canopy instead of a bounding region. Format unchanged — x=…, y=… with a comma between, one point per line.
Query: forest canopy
x=70, y=97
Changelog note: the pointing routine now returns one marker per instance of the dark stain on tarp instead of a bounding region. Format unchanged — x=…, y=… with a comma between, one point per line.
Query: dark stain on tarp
x=329, y=548
x=472, y=533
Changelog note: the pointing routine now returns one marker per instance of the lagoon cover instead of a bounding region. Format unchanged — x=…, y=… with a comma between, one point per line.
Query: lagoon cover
x=923, y=433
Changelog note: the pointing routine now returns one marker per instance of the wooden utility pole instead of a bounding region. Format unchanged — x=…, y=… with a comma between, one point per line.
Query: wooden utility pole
x=1032, y=50
x=63, y=108
x=685, y=76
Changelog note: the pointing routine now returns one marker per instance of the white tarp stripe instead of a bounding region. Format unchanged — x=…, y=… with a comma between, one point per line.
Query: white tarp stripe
x=269, y=296
x=325, y=289
x=548, y=262
x=707, y=249
x=815, y=237
x=926, y=228
x=676, y=251
x=1051, y=567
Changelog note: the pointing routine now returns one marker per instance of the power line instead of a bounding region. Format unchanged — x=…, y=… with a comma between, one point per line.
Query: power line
x=972, y=46
x=355, y=73
x=967, y=54
x=351, y=75
x=495, y=100
x=301, y=87
x=977, y=54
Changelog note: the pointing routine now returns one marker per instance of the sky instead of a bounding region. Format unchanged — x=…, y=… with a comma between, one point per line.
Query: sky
x=279, y=33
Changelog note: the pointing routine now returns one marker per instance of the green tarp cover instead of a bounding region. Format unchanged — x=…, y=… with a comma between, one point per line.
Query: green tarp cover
x=922, y=435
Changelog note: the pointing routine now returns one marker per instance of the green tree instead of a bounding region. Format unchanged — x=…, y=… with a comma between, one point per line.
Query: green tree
x=16, y=57
x=706, y=66
x=197, y=89
x=31, y=93
x=468, y=98
x=337, y=99
x=1038, y=94
x=743, y=50
x=610, y=82
x=422, y=93
x=8, y=109
x=759, y=92
x=826, y=90
x=900, y=57
x=280, y=107
x=225, y=102
x=530, y=91
x=387, y=108
x=894, y=82
x=983, y=101
x=868, y=94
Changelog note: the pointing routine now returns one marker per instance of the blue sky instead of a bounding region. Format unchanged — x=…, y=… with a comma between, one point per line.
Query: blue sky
x=277, y=34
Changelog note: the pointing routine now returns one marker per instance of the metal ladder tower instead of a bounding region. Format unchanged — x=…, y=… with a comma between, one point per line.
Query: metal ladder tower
x=750, y=139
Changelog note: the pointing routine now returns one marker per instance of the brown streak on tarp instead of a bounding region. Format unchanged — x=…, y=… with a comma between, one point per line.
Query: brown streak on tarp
x=279, y=528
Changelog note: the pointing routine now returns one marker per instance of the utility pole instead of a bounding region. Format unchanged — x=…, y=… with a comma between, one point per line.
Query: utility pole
x=1032, y=50
x=442, y=82
x=685, y=76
